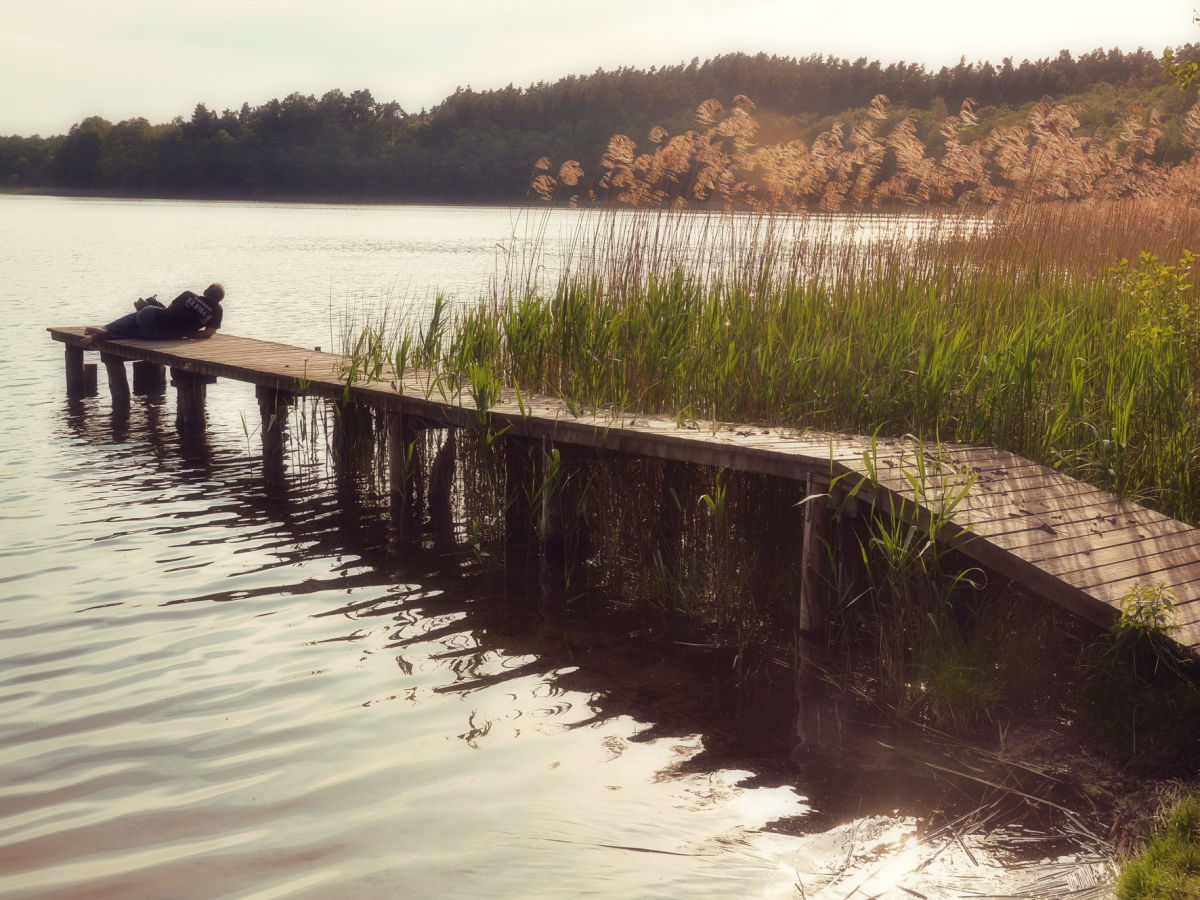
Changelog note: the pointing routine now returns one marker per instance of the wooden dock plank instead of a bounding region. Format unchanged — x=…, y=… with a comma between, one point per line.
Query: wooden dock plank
x=1066, y=540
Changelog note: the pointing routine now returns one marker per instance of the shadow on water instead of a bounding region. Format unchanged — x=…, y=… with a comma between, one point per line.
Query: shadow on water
x=489, y=629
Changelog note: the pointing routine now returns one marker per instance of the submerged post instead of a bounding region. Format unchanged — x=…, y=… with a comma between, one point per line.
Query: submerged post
x=352, y=435
x=668, y=531
x=118, y=381
x=148, y=377
x=441, y=483
x=850, y=572
x=520, y=526
x=189, y=398
x=563, y=528
x=74, y=363
x=402, y=478
x=81, y=376
x=817, y=722
x=273, y=408
x=815, y=556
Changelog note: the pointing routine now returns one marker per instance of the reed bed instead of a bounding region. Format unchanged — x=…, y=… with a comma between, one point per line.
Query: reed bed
x=880, y=162
x=1068, y=334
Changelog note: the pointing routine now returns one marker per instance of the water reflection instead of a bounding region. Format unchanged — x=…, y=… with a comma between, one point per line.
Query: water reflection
x=306, y=681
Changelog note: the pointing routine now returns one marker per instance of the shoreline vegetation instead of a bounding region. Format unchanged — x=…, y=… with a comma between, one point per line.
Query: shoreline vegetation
x=1066, y=332
x=478, y=146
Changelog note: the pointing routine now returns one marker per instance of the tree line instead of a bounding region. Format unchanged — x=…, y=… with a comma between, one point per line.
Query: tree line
x=482, y=145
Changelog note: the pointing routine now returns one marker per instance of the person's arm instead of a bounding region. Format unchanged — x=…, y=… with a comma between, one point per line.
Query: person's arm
x=203, y=335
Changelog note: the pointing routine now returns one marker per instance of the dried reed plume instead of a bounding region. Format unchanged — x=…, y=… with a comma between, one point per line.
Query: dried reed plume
x=720, y=164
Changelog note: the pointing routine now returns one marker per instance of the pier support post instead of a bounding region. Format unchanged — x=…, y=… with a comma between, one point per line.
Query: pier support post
x=668, y=531
x=553, y=540
x=148, y=378
x=850, y=573
x=520, y=525
x=441, y=483
x=815, y=555
x=118, y=381
x=273, y=408
x=81, y=376
x=402, y=479
x=352, y=435
x=189, y=399
x=74, y=361
x=563, y=529
x=816, y=717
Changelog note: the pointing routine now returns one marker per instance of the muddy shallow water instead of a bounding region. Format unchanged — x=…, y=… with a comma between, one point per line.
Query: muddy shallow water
x=212, y=685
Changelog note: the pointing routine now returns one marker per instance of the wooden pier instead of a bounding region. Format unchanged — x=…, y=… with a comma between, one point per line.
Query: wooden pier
x=1059, y=538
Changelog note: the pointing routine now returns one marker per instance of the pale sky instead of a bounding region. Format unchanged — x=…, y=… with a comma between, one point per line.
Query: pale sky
x=62, y=60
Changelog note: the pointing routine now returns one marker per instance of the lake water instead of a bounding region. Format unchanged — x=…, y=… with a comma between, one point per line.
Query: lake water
x=212, y=686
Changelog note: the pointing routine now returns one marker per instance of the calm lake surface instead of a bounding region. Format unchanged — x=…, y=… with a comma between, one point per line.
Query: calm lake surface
x=215, y=687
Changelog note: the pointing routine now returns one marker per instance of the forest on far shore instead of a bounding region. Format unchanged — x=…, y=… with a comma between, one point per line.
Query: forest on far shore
x=482, y=146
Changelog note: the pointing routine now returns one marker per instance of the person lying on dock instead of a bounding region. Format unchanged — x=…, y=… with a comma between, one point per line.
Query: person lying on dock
x=195, y=316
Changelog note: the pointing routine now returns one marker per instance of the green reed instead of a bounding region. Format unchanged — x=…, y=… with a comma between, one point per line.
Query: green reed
x=958, y=333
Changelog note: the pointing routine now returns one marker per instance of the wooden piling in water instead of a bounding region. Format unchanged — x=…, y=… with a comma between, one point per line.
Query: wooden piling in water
x=551, y=473
x=148, y=377
x=849, y=565
x=816, y=543
x=81, y=376
x=352, y=435
x=403, y=484
x=668, y=530
x=118, y=380
x=189, y=398
x=273, y=407
x=73, y=356
x=563, y=525
x=441, y=485
x=520, y=524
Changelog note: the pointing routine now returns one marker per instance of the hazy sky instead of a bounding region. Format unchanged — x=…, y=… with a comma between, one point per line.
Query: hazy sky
x=61, y=60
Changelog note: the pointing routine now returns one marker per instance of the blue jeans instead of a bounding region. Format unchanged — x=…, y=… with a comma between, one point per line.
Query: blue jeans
x=140, y=324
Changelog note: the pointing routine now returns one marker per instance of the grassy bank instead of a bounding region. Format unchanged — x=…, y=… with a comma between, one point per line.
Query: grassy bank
x=1168, y=867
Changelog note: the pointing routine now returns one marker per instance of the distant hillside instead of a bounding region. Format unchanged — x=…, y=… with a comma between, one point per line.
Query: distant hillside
x=482, y=145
